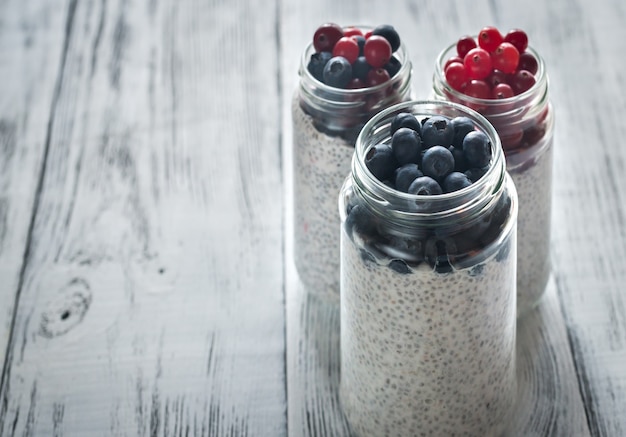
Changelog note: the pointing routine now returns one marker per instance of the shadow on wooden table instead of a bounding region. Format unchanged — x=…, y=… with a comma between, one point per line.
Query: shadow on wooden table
x=548, y=404
x=313, y=349
x=548, y=399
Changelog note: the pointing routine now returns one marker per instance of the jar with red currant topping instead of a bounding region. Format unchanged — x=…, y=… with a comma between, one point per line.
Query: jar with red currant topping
x=346, y=75
x=428, y=263
x=505, y=79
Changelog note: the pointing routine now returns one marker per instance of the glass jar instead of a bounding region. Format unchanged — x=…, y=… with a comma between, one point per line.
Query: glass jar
x=326, y=122
x=525, y=124
x=428, y=307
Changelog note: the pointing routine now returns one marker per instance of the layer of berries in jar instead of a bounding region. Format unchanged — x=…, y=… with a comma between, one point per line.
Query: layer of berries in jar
x=428, y=260
x=501, y=76
x=346, y=75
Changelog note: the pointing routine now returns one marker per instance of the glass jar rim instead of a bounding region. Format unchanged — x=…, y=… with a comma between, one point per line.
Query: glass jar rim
x=339, y=111
x=405, y=65
x=380, y=193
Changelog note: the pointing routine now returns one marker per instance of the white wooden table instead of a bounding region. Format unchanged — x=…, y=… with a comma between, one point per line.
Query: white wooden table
x=146, y=278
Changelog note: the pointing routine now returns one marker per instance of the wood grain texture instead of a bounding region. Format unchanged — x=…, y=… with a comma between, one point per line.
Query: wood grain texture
x=31, y=44
x=549, y=401
x=590, y=203
x=147, y=284
x=152, y=300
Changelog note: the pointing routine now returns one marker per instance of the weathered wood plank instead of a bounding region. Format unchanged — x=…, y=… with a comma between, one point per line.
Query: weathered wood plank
x=550, y=400
x=590, y=207
x=31, y=44
x=152, y=302
x=121, y=330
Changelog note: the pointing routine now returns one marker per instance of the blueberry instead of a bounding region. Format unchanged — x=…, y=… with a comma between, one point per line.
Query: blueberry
x=460, y=163
x=380, y=160
x=388, y=32
x=437, y=131
x=437, y=162
x=367, y=256
x=406, y=145
x=360, y=40
x=316, y=64
x=479, y=227
x=405, y=119
x=360, y=220
x=424, y=186
x=390, y=182
x=437, y=253
x=477, y=270
x=360, y=68
x=475, y=173
x=337, y=72
x=504, y=251
x=455, y=181
x=502, y=209
x=399, y=266
x=409, y=249
x=497, y=219
x=393, y=66
x=462, y=126
x=477, y=149
x=405, y=175
x=466, y=245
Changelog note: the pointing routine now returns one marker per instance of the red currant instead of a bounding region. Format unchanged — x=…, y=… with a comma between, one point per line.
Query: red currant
x=377, y=51
x=494, y=66
x=528, y=62
x=326, y=36
x=522, y=81
x=464, y=45
x=502, y=91
x=478, y=89
x=367, y=34
x=456, y=75
x=510, y=140
x=533, y=135
x=355, y=83
x=352, y=31
x=348, y=48
x=495, y=78
x=505, y=57
x=518, y=38
x=543, y=115
x=489, y=38
x=376, y=76
x=451, y=60
x=477, y=63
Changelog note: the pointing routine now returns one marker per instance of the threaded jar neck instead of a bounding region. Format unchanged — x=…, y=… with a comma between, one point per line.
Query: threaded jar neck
x=336, y=110
x=447, y=213
x=510, y=116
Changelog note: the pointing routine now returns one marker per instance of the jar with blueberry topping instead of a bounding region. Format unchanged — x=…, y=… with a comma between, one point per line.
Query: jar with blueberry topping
x=517, y=104
x=327, y=114
x=428, y=271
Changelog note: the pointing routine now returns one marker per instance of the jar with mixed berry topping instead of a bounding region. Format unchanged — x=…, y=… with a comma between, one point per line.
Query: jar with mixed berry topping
x=517, y=104
x=428, y=265
x=339, y=89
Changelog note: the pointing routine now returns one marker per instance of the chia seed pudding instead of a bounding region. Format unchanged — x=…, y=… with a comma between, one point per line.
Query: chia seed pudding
x=321, y=163
x=428, y=304
x=525, y=124
x=326, y=121
x=532, y=175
